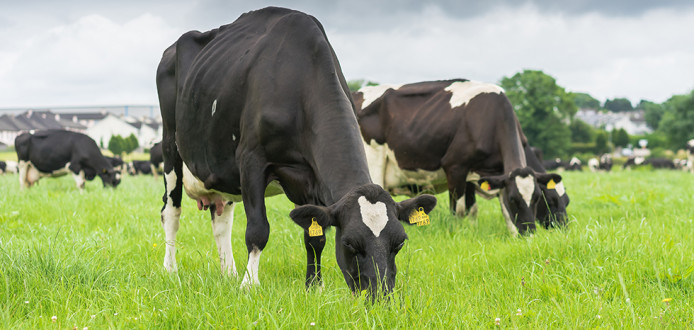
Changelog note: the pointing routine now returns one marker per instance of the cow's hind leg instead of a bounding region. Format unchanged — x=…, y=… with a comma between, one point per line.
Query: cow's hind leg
x=23, y=172
x=171, y=212
x=221, y=228
x=457, y=187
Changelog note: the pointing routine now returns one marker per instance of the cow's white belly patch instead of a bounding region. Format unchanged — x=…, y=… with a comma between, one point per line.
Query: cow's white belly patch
x=372, y=93
x=195, y=188
x=373, y=215
x=386, y=172
x=464, y=91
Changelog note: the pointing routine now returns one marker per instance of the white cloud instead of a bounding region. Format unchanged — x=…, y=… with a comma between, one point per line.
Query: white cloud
x=92, y=60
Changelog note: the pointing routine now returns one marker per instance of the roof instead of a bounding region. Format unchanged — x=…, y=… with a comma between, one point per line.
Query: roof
x=36, y=120
x=84, y=115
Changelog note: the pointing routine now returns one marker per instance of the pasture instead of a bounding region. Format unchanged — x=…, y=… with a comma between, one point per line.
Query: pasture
x=95, y=260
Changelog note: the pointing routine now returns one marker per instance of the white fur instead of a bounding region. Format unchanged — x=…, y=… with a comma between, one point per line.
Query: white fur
x=170, y=216
x=575, y=161
x=464, y=91
x=639, y=160
x=372, y=93
x=526, y=187
x=251, y=277
x=373, y=215
x=507, y=216
x=79, y=180
x=560, y=189
x=460, y=206
x=593, y=164
x=221, y=228
x=214, y=107
x=385, y=171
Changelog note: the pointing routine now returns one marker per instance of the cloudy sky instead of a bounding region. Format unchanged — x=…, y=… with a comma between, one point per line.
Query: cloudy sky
x=84, y=52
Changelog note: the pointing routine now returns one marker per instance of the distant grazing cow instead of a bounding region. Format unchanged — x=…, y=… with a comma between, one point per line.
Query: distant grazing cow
x=690, y=155
x=140, y=167
x=3, y=167
x=56, y=153
x=258, y=107
x=443, y=134
x=11, y=166
x=656, y=163
x=156, y=158
x=603, y=164
x=117, y=163
x=557, y=164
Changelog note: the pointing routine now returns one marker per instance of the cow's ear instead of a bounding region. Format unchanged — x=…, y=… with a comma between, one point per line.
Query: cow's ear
x=548, y=179
x=492, y=182
x=307, y=216
x=409, y=207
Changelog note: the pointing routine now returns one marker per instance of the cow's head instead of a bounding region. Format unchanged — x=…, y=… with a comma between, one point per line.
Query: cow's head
x=519, y=195
x=110, y=177
x=551, y=209
x=368, y=233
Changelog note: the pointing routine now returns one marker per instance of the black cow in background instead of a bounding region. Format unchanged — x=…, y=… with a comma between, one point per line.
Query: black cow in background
x=156, y=158
x=261, y=106
x=655, y=162
x=3, y=167
x=604, y=163
x=141, y=167
x=56, y=153
x=559, y=165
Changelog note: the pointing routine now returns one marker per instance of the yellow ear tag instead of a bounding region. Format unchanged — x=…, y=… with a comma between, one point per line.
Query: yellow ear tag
x=419, y=217
x=485, y=186
x=551, y=184
x=315, y=229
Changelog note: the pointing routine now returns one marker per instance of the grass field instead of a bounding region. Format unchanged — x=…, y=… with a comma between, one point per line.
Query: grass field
x=95, y=260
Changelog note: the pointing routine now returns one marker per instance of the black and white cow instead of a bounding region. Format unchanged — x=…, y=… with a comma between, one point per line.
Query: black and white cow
x=3, y=167
x=690, y=156
x=604, y=163
x=156, y=158
x=56, y=153
x=118, y=164
x=557, y=164
x=259, y=107
x=655, y=162
x=443, y=134
x=140, y=167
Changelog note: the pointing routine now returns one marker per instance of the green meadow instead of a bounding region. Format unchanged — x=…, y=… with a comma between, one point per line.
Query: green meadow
x=94, y=260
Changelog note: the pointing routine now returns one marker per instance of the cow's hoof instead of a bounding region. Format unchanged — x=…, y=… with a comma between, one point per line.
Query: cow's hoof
x=170, y=267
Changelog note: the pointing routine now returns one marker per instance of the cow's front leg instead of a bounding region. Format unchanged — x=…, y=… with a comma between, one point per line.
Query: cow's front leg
x=221, y=228
x=23, y=169
x=470, y=201
x=253, y=182
x=314, y=248
x=457, y=191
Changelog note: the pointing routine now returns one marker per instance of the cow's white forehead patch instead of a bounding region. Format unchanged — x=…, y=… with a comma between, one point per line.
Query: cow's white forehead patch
x=372, y=93
x=526, y=187
x=560, y=189
x=464, y=91
x=373, y=215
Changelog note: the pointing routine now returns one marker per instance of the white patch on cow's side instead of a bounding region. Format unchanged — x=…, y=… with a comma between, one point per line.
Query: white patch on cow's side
x=79, y=180
x=233, y=137
x=170, y=216
x=372, y=93
x=639, y=160
x=593, y=164
x=464, y=91
x=373, y=215
x=560, y=189
x=195, y=188
x=385, y=171
x=251, y=277
x=376, y=160
x=507, y=216
x=221, y=228
x=526, y=187
x=214, y=107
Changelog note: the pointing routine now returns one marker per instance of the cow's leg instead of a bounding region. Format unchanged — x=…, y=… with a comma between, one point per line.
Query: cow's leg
x=171, y=212
x=457, y=186
x=79, y=180
x=314, y=249
x=23, y=172
x=253, y=181
x=470, y=201
x=507, y=215
x=221, y=228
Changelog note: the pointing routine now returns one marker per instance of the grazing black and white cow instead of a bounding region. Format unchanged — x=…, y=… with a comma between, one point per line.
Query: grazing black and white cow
x=118, y=164
x=8, y=166
x=140, y=167
x=557, y=164
x=56, y=153
x=3, y=167
x=604, y=163
x=655, y=162
x=259, y=107
x=156, y=158
x=442, y=134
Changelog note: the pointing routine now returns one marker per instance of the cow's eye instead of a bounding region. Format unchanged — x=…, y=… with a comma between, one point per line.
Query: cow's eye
x=351, y=248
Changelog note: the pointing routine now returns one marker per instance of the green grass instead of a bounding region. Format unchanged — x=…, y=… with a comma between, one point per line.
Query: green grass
x=95, y=260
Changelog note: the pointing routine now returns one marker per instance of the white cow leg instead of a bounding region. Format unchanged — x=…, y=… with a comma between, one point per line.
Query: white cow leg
x=23, y=169
x=79, y=180
x=170, y=216
x=221, y=228
x=251, y=277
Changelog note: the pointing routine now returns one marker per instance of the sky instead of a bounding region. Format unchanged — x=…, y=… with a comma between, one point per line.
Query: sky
x=84, y=52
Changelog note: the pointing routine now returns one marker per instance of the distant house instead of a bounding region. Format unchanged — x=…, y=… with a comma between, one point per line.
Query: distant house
x=146, y=131
x=12, y=126
x=633, y=122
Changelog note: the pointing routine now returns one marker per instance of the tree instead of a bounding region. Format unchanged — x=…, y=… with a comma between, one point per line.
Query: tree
x=581, y=131
x=601, y=143
x=678, y=120
x=115, y=144
x=130, y=144
x=544, y=110
x=354, y=85
x=620, y=137
x=653, y=113
x=585, y=101
x=618, y=105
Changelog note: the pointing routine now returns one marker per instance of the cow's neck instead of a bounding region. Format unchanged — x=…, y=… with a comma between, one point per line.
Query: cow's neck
x=512, y=153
